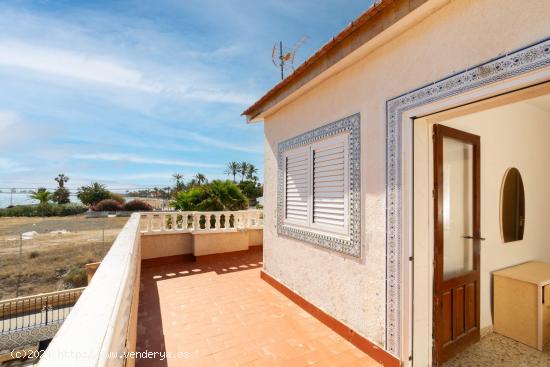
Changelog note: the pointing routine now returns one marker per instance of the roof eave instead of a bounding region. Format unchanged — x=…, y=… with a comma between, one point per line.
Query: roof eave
x=381, y=15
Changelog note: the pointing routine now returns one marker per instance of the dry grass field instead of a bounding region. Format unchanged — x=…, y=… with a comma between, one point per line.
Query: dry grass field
x=54, y=251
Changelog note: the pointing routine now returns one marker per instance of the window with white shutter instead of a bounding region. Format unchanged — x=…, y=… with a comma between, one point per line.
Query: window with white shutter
x=297, y=185
x=330, y=184
x=319, y=186
x=316, y=185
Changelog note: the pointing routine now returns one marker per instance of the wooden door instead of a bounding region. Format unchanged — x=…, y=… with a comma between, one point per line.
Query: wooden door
x=457, y=241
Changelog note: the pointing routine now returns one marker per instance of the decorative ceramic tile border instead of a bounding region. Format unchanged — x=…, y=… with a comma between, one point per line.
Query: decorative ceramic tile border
x=29, y=336
x=516, y=63
x=351, y=246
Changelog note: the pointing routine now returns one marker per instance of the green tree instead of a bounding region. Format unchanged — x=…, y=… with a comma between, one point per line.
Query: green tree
x=61, y=194
x=232, y=169
x=251, y=189
x=215, y=196
x=93, y=194
x=251, y=173
x=201, y=179
x=243, y=168
x=178, y=177
x=42, y=195
x=61, y=179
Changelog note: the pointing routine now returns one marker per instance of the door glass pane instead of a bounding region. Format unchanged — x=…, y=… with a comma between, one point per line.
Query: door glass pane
x=458, y=158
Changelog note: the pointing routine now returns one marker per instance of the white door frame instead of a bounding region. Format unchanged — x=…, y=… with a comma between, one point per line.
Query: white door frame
x=520, y=82
x=526, y=67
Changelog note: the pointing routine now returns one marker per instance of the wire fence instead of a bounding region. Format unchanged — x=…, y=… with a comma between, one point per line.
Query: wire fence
x=36, y=311
x=41, y=255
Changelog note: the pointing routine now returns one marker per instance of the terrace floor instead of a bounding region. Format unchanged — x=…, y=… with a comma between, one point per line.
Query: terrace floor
x=218, y=312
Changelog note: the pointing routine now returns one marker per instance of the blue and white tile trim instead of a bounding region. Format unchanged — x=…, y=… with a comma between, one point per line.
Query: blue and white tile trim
x=352, y=244
x=513, y=64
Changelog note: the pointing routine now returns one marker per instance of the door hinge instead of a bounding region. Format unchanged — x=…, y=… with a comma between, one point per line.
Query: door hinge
x=411, y=258
x=433, y=193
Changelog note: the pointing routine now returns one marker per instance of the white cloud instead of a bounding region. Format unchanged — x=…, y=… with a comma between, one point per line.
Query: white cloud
x=110, y=71
x=72, y=64
x=17, y=131
x=11, y=165
x=244, y=147
x=8, y=120
x=130, y=158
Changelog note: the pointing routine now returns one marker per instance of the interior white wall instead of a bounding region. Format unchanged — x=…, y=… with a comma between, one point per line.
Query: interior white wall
x=515, y=135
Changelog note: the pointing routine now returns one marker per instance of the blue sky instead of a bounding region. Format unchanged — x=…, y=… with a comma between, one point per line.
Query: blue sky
x=127, y=93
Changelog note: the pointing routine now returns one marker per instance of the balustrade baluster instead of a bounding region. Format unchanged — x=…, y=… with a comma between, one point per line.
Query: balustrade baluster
x=217, y=225
x=196, y=219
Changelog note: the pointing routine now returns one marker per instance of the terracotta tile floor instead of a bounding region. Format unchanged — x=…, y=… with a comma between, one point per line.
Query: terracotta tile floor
x=220, y=313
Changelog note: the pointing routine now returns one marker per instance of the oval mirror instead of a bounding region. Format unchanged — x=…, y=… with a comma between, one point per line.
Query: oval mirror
x=512, y=206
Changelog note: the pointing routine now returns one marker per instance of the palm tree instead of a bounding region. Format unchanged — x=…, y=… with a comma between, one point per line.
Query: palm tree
x=232, y=169
x=42, y=195
x=179, y=184
x=200, y=178
x=61, y=180
x=251, y=173
x=243, y=170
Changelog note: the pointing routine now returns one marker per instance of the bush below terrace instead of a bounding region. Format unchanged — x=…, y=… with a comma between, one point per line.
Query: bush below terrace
x=107, y=205
x=45, y=210
x=137, y=206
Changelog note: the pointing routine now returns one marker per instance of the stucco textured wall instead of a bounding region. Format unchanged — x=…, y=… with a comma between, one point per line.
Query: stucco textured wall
x=459, y=35
x=166, y=244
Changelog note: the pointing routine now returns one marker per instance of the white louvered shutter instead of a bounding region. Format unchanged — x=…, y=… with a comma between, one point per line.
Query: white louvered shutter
x=330, y=184
x=297, y=182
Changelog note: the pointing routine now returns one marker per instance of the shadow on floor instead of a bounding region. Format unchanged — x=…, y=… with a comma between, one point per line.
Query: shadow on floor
x=220, y=263
x=151, y=336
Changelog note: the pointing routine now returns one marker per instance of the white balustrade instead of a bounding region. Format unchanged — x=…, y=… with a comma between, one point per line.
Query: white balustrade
x=179, y=222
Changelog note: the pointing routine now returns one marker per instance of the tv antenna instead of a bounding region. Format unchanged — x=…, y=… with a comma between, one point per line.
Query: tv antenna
x=285, y=59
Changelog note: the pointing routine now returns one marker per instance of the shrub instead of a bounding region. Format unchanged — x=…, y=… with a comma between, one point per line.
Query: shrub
x=93, y=194
x=76, y=277
x=118, y=197
x=214, y=196
x=42, y=195
x=47, y=210
x=107, y=205
x=137, y=206
x=61, y=196
x=34, y=254
x=251, y=189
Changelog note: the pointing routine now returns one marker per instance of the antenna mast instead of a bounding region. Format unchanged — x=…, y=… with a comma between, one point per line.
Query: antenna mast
x=285, y=59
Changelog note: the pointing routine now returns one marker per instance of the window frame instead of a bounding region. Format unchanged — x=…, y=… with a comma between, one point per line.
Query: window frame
x=347, y=239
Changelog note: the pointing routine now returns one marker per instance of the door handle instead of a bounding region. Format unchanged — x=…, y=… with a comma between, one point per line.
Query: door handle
x=473, y=238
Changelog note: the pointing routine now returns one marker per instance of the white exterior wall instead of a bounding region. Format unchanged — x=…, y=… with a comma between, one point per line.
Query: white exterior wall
x=459, y=35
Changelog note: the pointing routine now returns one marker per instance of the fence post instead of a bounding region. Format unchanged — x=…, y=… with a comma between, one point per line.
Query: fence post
x=20, y=264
